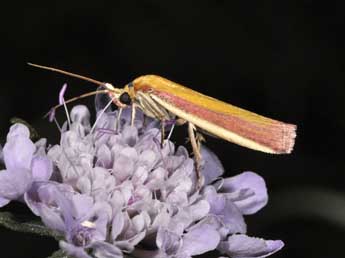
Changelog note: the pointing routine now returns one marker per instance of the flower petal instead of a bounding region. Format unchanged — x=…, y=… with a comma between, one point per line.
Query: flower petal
x=117, y=225
x=73, y=250
x=104, y=156
x=51, y=218
x=243, y=246
x=18, y=129
x=226, y=211
x=168, y=242
x=42, y=168
x=18, y=152
x=14, y=184
x=130, y=135
x=80, y=114
x=248, y=191
x=200, y=239
x=106, y=250
x=211, y=165
x=4, y=201
x=81, y=204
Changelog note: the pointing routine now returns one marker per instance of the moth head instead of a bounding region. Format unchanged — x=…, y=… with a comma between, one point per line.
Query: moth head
x=122, y=96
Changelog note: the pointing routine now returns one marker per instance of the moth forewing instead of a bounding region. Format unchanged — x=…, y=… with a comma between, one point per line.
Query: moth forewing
x=218, y=118
x=212, y=128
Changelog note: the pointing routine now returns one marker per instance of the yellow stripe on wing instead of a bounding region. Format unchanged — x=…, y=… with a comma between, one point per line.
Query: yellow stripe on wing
x=199, y=99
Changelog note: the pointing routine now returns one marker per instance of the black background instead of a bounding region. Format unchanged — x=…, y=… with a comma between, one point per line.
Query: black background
x=280, y=59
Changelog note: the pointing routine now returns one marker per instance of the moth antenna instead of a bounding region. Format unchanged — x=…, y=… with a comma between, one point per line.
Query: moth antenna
x=79, y=97
x=67, y=73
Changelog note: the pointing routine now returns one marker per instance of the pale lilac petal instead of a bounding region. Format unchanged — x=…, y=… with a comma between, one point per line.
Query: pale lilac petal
x=147, y=158
x=81, y=204
x=226, y=211
x=73, y=250
x=243, y=246
x=14, y=184
x=161, y=220
x=4, y=201
x=51, y=218
x=43, y=193
x=169, y=242
x=117, y=225
x=178, y=198
x=84, y=185
x=104, y=157
x=129, y=245
x=212, y=168
x=18, y=129
x=124, y=163
x=156, y=178
x=141, y=221
x=18, y=152
x=106, y=250
x=62, y=93
x=200, y=239
x=42, y=168
x=41, y=145
x=130, y=135
x=248, y=190
x=80, y=114
x=182, y=151
x=199, y=210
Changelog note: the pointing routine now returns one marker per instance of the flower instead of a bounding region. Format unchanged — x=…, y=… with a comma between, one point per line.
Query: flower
x=115, y=190
x=25, y=163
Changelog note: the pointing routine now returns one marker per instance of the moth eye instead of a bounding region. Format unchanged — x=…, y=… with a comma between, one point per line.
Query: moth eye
x=125, y=98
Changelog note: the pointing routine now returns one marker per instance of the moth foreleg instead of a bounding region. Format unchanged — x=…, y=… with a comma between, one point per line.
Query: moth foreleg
x=162, y=132
x=118, y=120
x=180, y=121
x=195, y=142
x=133, y=114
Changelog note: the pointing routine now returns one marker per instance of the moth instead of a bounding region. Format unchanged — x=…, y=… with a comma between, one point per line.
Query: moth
x=165, y=100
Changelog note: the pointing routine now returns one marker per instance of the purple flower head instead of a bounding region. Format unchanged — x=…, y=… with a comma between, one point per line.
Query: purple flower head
x=116, y=189
x=25, y=163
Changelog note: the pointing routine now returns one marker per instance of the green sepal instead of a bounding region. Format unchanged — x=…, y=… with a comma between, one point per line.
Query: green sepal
x=22, y=224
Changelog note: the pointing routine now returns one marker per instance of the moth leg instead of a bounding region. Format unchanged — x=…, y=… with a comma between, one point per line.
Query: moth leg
x=133, y=114
x=162, y=132
x=199, y=139
x=118, y=120
x=196, y=151
x=180, y=121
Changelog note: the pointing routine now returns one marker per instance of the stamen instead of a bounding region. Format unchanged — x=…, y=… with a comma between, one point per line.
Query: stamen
x=100, y=115
x=158, y=144
x=57, y=124
x=67, y=114
x=62, y=102
x=171, y=131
